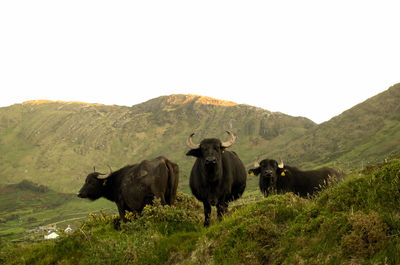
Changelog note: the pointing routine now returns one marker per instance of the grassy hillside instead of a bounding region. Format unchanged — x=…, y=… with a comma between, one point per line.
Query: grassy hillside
x=26, y=206
x=367, y=133
x=353, y=222
x=57, y=144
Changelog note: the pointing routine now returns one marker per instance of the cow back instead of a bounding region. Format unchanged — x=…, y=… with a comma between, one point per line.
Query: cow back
x=305, y=182
x=151, y=178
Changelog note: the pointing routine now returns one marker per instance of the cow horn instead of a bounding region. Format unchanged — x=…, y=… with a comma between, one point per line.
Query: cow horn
x=110, y=169
x=281, y=165
x=230, y=142
x=191, y=144
x=102, y=176
x=257, y=162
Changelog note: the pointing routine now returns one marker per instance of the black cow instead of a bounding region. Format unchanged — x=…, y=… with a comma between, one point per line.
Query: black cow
x=134, y=186
x=218, y=176
x=282, y=178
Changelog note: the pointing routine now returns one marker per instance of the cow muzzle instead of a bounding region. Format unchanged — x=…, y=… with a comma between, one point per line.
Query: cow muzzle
x=212, y=160
x=267, y=173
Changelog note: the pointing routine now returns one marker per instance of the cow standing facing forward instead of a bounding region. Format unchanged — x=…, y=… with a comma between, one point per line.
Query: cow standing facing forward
x=218, y=176
x=282, y=178
x=134, y=186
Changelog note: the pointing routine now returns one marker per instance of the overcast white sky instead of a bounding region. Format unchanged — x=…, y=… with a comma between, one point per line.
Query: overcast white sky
x=304, y=58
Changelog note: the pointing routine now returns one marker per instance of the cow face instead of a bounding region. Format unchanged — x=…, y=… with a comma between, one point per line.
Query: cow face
x=268, y=170
x=210, y=154
x=93, y=187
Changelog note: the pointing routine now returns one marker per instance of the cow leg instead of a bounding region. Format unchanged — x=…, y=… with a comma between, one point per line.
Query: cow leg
x=162, y=198
x=122, y=215
x=221, y=209
x=121, y=211
x=207, y=214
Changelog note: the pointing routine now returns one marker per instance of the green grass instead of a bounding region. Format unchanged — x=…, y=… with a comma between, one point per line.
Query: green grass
x=382, y=144
x=26, y=209
x=366, y=134
x=57, y=144
x=356, y=221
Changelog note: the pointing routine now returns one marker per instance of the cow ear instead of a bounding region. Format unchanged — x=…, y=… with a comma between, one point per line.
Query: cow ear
x=222, y=149
x=255, y=171
x=283, y=172
x=194, y=152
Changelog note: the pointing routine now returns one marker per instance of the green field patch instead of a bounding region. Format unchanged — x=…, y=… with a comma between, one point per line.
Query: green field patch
x=352, y=222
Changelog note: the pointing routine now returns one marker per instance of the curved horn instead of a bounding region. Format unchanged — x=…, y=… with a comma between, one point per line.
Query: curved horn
x=99, y=174
x=191, y=144
x=257, y=162
x=281, y=165
x=102, y=176
x=110, y=169
x=230, y=142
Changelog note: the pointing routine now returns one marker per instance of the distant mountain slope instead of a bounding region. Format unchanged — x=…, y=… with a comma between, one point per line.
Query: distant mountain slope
x=58, y=143
x=367, y=133
x=27, y=205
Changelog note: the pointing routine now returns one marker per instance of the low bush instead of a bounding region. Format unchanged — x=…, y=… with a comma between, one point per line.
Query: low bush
x=356, y=221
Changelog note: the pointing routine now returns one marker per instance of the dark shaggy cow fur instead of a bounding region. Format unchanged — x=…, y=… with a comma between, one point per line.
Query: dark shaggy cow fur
x=217, y=177
x=291, y=179
x=134, y=186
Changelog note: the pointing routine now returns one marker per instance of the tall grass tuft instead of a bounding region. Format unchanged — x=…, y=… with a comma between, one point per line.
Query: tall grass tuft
x=356, y=221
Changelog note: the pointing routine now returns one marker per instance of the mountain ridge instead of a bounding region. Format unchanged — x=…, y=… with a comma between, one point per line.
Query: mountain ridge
x=355, y=127
x=171, y=99
x=46, y=101
x=57, y=143
x=66, y=139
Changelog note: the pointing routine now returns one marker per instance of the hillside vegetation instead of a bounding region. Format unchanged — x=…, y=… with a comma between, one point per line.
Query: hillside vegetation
x=366, y=133
x=57, y=144
x=356, y=221
x=26, y=206
x=48, y=148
